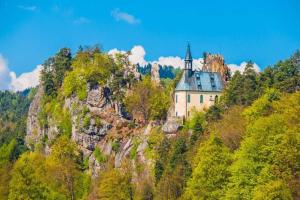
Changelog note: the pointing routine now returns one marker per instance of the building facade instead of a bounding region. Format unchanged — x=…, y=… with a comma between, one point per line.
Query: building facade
x=196, y=89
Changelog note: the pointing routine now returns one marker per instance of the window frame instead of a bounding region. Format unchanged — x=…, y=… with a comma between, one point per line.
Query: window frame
x=201, y=98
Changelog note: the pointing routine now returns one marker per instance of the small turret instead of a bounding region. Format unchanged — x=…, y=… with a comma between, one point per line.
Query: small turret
x=188, y=61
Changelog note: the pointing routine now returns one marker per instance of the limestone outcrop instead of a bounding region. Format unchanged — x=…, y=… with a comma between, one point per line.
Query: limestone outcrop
x=96, y=122
x=34, y=131
x=216, y=63
x=155, y=77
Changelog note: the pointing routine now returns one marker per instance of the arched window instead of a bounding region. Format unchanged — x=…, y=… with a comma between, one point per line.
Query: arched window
x=201, y=98
x=189, y=98
x=216, y=99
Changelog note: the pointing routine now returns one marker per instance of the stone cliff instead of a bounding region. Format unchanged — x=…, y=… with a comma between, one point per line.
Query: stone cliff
x=96, y=124
x=216, y=63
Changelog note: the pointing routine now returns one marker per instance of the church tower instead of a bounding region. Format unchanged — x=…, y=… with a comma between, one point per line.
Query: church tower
x=188, y=63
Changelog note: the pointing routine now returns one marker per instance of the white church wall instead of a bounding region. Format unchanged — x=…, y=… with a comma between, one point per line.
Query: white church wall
x=183, y=107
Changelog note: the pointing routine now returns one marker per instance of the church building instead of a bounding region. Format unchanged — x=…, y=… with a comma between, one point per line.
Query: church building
x=196, y=89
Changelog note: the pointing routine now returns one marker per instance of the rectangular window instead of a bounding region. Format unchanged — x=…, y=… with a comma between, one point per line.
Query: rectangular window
x=176, y=98
x=201, y=98
x=176, y=114
x=189, y=98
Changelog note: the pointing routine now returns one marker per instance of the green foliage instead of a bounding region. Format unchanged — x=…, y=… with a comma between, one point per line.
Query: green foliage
x=273, y=190
x=26, y=182
x=114, y=184
x=86, y=121
x=148, y=101
x=63, y=170
x=100, y=157
x=284, y=75
x=243, y=89
x=133, y=151
x=262, y=106
x=13, y=111
x=54, y=70
x=210, y=176
x=179, y=149
x=270, y=151
x=115, y=146
x=171, y=169
x=53, y=108
x=214, y=113
x=88, y=67
x=196, y=123
x=8, y=153
x=231, y=127
x=155, y=138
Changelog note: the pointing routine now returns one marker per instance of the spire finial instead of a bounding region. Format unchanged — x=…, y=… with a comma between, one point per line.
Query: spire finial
x=188, y=55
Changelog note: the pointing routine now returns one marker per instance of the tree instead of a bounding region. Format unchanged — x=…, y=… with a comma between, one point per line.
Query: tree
x=273, y=190
x=231, y=127
x=284, y=75
x=211, y=175
x=197, y=124
x=26, y=180
x=147, y=101
x=6, y=158
x=243, y=89
x=270, y=149
x=89, y=68
x=54, y=69
x=114, y=185
x=63, y=170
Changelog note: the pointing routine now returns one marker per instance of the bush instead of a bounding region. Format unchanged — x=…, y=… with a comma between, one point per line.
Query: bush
x=100, y=157
x=133, y=151
x=86, y=121
x=116, y=145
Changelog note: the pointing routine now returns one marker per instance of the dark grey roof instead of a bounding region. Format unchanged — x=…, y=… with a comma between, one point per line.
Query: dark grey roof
x=200, y=81
x=188, y=55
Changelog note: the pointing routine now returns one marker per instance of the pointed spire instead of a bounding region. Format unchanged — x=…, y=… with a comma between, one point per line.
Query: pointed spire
x=188, y=61
x=188, y=55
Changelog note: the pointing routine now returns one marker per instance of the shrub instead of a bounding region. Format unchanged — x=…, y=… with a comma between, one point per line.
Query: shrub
x=116, y=145
x=86, y=121
x=133, y=151
x=100, y=157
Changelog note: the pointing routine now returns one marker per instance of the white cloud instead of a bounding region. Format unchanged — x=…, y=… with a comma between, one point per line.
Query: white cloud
x=4, y=74
x=28, y=8
x=114, y=51
x=123, y=16
x=82, y=20
x=138, y=57
x=10, y=81
x=25, y=80
x=170, y=60
x=241, y=67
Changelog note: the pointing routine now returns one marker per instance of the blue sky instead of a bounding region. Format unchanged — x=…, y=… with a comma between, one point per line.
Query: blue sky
x=263, y=31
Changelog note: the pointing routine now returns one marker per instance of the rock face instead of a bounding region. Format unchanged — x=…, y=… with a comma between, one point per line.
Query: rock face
x=172, y=125
x=216, y=63
x=155, y=73
x=96, y=122
x=34, y=131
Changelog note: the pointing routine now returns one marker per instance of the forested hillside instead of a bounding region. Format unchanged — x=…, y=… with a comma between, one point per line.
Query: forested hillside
x=95, y=132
